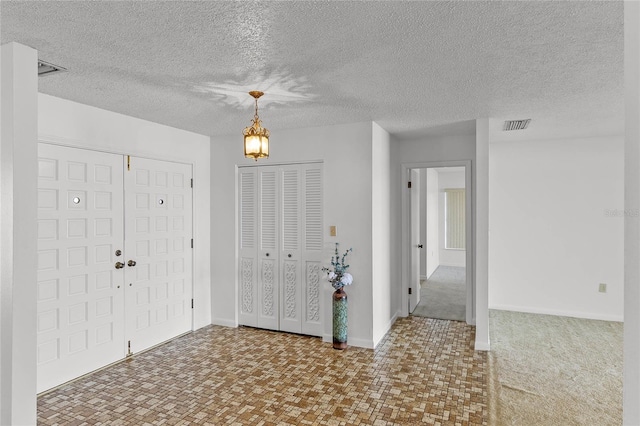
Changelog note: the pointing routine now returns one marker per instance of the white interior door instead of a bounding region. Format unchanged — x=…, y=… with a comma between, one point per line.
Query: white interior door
x=291, y=283
x=414, y=297
x=312, y=256
x=248, y=247
x=281, y=247
x=158, y=232
x=80, y=295
x=269, y=306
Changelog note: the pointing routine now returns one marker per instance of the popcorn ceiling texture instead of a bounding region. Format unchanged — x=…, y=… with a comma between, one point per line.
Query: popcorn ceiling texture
x=405, y=65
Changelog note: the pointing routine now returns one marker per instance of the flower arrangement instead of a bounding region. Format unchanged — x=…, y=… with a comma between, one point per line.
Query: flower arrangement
x=338, y=276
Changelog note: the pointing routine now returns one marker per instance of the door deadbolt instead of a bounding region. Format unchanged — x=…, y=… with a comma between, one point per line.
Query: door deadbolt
x=118, y=252
x=119, y=265
x=131, y=263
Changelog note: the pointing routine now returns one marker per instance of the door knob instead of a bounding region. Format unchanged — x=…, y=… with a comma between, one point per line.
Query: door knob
x=289, y=255
x=131, y=263
x=419, y=245
x=119, y=265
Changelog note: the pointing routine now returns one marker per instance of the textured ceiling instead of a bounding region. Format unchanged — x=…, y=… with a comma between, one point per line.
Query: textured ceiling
x=410, y=66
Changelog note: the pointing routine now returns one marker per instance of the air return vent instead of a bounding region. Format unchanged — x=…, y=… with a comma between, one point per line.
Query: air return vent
x=45, y=68
x=516, y=124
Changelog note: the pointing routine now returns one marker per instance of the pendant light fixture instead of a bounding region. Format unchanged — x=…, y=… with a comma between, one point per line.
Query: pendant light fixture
x=256, y=137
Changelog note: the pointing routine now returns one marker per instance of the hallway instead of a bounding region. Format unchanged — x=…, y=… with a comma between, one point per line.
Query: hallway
x=424, y=370
x=443, y=295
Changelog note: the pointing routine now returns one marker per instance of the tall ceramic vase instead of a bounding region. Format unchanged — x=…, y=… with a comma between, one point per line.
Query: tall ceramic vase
x=339, y=319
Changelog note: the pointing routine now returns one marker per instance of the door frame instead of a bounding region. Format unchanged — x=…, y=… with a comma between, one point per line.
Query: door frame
x=414, y=237
x=470, y=310
x=70, y=143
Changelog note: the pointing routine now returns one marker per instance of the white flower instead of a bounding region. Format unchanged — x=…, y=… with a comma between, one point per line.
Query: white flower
x=347, y=279
x=331, y=276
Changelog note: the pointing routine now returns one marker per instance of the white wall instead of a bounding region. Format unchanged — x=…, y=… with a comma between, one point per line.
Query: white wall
x=556, y=227
x=73, y=124
x=383, y=316
x=452, y=177
x=480, y=218
x=631, y=407
x=347, y=155
x=432, y=220
x=435, y=149
x=18, y=224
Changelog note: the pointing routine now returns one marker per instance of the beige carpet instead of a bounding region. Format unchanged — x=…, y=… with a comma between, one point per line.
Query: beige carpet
x=443, y=295
x=549, y=370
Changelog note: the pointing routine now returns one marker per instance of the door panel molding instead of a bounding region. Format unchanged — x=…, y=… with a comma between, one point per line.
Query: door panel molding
x=158, y=232
x=80, y=297
x=82, y=292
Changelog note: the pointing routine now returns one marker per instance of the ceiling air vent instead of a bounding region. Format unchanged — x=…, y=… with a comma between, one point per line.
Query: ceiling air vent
x=45, y=68
x=516, y=124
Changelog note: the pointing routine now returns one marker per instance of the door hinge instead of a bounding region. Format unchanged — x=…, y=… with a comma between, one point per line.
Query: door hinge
x=128, y=162
x=192, y=243
x=409, y=290
x=191, y=303
x=129, y=353
x=192, y=183
x=409, y=184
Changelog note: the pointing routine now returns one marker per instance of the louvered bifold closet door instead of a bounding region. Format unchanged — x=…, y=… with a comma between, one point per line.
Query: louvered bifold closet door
x=312, y=248
x=268, y=272
x=248, y=247
x=290, y=231
x=281, y=247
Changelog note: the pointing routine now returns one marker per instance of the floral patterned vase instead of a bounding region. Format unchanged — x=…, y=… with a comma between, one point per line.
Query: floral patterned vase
x=339, y=319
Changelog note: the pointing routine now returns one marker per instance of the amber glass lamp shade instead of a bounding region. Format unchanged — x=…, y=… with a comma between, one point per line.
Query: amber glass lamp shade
x=256, y=146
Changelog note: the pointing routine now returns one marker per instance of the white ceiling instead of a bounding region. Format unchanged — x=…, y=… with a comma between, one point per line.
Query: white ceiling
x=410, y=66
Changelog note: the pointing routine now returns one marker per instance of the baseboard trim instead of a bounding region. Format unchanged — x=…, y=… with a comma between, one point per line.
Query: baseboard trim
x=377, y=339
x=560, y=313
x=351, y=341
x=224, y=322
x=482, y=346
x=361, y=343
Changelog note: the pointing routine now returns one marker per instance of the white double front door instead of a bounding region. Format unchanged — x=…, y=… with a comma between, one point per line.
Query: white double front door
x=114, y=258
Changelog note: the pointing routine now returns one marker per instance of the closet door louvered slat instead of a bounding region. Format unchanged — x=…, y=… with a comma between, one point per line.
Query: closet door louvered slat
x=247, y=273
x=290, y=318
x=268, y=311
x=312, y=224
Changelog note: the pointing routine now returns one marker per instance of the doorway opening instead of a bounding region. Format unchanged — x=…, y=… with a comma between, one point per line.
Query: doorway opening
x=438, y=243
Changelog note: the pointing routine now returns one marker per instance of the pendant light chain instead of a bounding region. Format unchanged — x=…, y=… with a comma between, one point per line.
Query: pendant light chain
x=256, y=119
